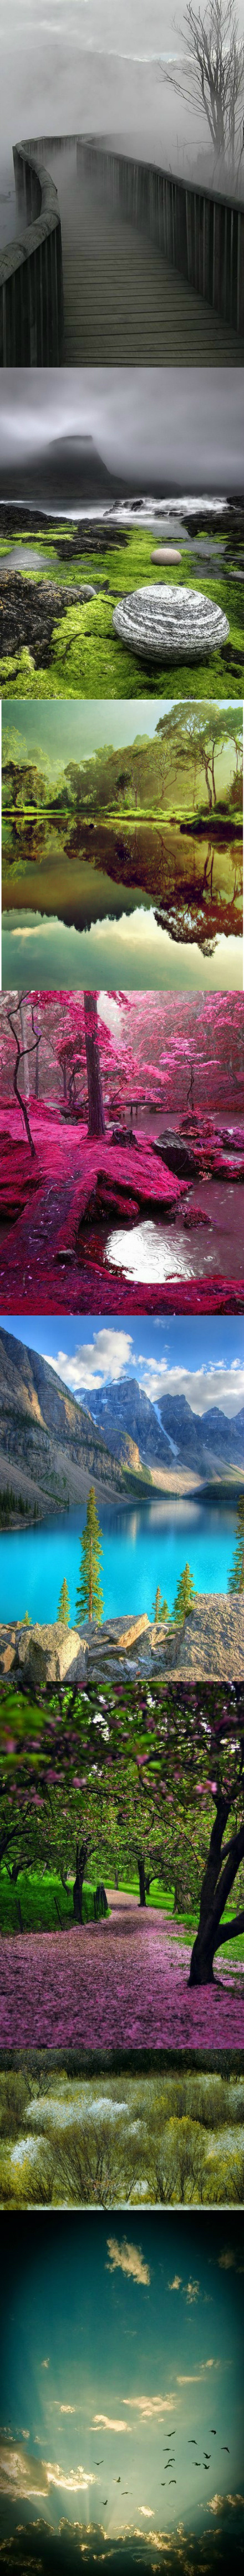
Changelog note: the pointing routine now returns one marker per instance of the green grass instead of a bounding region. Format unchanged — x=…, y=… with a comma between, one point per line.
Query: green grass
x=37, y=1901
x=88, y=660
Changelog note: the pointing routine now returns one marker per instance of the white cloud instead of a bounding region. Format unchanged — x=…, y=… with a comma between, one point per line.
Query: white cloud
x=151, y=2409
x=109, y=1356
x=65, y=2410
x=21, y=2475
x=127, y=2258
x=201, y=1386
x=111, y=2423
x=44, y=2365
x=176, y=2284
x=146, y=2509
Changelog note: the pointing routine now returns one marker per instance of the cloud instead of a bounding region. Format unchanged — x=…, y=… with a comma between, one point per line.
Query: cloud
x=127, y=2258
x=21, y=2475
x=146, y=2509
x=65, y=2410
x=217, y=2503
x=94, y=1363
x=111, y=2423
x=151, y=2408
x=44, y=2365
x=176, y=2284
x=228, y=2260
x=202, y=1387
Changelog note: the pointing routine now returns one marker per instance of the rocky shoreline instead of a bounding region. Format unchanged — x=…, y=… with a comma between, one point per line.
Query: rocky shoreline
x=209, y=1646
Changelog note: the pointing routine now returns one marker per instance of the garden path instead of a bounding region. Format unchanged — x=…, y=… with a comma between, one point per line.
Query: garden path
x=121, y=1982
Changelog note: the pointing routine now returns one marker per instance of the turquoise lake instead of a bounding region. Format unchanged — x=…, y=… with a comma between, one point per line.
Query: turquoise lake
x=141, y=1547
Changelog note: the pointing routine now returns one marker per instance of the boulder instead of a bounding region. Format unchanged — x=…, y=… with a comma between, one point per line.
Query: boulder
x=168, y=624
x=166, y=554
x=47, y=1654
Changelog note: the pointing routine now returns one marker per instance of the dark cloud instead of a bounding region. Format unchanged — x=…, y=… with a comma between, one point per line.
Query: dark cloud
x=174, y=430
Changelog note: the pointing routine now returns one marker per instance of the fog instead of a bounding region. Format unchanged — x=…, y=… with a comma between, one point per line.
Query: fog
x=90, y=65
x=173, y=430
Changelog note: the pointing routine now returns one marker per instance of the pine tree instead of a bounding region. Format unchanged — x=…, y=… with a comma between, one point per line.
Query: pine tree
x=63, y=1610
x=185, y=1596
x=89, y=1597
x=236, y=1577
x=159, y=1607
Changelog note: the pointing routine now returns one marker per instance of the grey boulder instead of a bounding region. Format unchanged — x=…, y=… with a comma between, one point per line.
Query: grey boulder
x=48, y=1654
x=167, y=624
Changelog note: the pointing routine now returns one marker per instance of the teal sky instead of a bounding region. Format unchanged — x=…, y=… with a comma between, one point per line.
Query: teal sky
x=70, y=730
x=122, y=2350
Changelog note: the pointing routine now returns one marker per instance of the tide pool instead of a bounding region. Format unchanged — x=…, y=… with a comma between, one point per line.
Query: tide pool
x=142, y=1546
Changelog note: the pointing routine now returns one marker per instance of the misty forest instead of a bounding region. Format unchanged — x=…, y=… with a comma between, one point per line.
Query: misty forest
x=141, y=843
x=122, y=1850
x=125, y=1186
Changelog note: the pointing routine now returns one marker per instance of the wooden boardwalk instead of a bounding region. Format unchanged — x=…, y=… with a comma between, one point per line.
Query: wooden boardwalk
x=124, y=304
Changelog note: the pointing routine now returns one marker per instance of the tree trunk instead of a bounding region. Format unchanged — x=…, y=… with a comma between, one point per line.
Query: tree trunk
x=81, y=1859
x=219, y=1875
x=25, y=1057
x=142, y=1886
x=96, y=1119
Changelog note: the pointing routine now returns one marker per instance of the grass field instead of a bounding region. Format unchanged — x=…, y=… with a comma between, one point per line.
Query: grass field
x=88, y=661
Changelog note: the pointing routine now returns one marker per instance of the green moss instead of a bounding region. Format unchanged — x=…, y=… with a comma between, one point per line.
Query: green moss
x=88, y=660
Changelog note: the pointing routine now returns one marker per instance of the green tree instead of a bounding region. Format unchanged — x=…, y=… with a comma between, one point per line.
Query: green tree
x=63, y=1610
x=89, y=1597
x=159, y=1607
x=185, y=1596
x=236, y=1577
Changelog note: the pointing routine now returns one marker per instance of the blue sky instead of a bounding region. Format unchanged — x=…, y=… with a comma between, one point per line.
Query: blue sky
x=199, y=1357
x=122, y=2349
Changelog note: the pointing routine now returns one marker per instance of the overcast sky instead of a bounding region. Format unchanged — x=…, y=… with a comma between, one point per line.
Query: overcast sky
x=198, y=1357
x=182, y=428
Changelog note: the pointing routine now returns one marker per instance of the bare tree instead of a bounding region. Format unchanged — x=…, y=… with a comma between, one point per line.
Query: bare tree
x=210, y=75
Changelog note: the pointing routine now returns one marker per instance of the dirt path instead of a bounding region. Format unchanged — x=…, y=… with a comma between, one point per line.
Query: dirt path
x=118, y=1983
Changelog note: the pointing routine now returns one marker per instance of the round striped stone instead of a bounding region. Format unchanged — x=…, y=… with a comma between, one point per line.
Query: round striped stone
x=168, y=624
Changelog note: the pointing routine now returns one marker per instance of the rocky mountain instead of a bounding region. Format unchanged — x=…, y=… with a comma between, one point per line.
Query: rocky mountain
x=50, y=1448
x=167, y=1431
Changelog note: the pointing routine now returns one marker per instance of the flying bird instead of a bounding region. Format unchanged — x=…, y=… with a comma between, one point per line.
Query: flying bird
x=197, y=2464
x=98, y=2464
x=172, y=2482
x=192, y=2438
x=212, y=2428
x=105, y=2499
x=116, y=2482
x=225, y=2447
x=162, y=2482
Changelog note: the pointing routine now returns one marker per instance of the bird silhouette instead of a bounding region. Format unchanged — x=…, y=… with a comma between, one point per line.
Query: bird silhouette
x=192, y=2440
x=98, y=2464
x=197, y=2464
x=225, y=2447
x=105, y=2499
x=116, y=2482
x=162, y=2482
x=172, y=2482
x=212, y=2428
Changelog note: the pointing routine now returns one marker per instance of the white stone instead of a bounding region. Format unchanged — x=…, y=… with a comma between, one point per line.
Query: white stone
x=167, y=624
x=166, y=554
